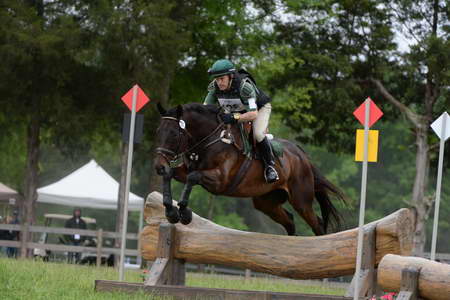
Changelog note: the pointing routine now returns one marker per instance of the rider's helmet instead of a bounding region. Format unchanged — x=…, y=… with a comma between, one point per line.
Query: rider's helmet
x=221, y=67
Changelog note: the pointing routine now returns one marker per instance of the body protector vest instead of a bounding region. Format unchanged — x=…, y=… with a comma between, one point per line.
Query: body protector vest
x=231, y=99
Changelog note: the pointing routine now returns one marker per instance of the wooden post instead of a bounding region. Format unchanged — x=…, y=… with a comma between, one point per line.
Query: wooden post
x=368, y=278
x=408, y=288
x=99, y=246
x=166, y=270
x=201, y=268
x=248, y=274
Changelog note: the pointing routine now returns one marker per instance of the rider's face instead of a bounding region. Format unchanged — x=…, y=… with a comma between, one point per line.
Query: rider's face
x=223, y=82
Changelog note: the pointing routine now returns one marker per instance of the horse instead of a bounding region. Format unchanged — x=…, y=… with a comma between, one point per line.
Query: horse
x=191, y=149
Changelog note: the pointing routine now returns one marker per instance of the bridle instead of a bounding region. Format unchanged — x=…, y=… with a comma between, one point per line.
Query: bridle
x=175, y=159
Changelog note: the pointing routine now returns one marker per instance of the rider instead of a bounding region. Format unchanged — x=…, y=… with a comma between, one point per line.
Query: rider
x=242, y=101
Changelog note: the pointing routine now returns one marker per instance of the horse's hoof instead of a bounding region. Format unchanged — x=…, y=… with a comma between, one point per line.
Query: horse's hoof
x=173, y=215
x=185, y=216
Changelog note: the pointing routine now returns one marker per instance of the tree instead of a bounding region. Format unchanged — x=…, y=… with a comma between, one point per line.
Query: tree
x=427, y=62
x=65, y=61
x=39, y=67
x=336, y=53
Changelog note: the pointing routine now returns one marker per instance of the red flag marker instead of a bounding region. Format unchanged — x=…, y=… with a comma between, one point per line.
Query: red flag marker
x=375, y=113
x=141, y=100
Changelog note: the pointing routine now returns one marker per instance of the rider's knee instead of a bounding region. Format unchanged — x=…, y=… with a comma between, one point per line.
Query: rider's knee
x=259, y=135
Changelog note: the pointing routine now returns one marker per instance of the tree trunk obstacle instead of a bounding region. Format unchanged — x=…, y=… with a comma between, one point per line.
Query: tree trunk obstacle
x=332, y=255
x=203, y=241
x=414, y=277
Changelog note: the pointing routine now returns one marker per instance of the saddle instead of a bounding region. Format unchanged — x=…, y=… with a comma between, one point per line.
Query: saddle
x=246, y=142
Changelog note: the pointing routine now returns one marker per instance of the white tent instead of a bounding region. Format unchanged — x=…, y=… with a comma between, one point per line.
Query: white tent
x=89, y=186
x=7, y=193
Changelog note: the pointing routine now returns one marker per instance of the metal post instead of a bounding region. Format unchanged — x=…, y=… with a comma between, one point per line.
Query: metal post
x=362, y=207
x=127, y=185
x=438, y=187
x=141, y=225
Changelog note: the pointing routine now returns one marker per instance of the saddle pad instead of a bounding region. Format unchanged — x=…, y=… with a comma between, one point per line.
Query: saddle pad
x=277, y=148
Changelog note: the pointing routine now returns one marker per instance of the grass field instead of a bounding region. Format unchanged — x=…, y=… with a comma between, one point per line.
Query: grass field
x=27, y=279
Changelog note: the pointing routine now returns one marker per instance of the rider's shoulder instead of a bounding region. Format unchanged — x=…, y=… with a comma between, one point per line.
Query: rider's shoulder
x=211, y=86
x=247, y=88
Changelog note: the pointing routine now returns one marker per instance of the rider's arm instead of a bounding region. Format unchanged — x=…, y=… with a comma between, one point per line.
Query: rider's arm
x=248, y=94
x=248, y=116
x=210, y=98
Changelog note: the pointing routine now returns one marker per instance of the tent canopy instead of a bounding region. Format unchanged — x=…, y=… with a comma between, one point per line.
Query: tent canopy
x=89, y=186
x=7, y=193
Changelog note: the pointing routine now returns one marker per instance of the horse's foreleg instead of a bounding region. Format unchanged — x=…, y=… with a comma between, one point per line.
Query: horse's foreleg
x=192, y=179
x=172, y=214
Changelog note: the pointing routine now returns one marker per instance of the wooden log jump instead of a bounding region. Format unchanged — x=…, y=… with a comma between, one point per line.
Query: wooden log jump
x=421, y=277
x=203, y=241
x=167, y=277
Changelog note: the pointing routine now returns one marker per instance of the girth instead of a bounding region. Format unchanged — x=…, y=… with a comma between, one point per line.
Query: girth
x=239, y=176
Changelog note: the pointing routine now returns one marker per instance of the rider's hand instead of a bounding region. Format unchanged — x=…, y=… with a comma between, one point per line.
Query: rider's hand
x=228, y=119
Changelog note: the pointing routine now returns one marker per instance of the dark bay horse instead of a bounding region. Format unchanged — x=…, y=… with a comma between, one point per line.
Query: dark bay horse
x=190, y=150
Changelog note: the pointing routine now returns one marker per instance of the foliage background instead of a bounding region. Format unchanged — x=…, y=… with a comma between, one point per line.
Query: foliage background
x=65, y=65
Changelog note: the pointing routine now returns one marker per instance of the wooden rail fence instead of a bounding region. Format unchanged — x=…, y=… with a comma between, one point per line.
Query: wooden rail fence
x=99, y=234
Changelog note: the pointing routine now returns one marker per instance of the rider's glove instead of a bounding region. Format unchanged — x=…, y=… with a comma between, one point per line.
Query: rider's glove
x=229, y=119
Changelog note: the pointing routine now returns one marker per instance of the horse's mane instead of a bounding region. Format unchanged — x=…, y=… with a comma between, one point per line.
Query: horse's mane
x=199, y=108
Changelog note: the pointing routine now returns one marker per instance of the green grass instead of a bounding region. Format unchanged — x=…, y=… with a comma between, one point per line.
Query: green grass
x=28, y=279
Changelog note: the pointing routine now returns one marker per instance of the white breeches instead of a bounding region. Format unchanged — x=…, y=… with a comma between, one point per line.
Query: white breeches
x=261, y=122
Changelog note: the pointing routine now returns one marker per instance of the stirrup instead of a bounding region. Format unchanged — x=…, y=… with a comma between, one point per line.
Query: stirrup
x=267, y=170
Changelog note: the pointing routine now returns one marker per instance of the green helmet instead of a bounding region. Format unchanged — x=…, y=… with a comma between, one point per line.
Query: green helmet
x=221, y=67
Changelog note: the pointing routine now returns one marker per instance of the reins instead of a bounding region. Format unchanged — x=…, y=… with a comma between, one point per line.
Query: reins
x=177, y=158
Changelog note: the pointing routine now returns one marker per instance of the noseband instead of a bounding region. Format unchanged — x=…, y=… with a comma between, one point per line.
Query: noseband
x=175, y=159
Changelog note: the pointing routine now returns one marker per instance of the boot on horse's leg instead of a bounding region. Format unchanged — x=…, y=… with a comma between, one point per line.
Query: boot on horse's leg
x=267, y=156
x=172, y=213
x=185, y=212
x=192, y=179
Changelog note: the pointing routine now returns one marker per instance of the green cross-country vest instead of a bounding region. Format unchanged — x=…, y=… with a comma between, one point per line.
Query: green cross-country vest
x=234, y=92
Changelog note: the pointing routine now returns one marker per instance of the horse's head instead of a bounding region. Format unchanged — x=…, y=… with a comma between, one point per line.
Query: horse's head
x=181, y=128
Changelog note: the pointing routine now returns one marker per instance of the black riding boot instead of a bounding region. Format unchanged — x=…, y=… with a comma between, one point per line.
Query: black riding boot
x=265, y=150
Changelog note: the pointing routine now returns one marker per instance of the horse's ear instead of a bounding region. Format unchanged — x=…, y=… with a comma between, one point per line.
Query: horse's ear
x=179, y=111
x=161, y=109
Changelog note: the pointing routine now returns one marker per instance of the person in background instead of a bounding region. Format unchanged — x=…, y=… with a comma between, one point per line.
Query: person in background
x=4, y=235
x=14, y=235
x=76, y=222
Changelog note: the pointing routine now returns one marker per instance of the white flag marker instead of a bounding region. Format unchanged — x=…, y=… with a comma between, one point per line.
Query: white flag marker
x=442, y=128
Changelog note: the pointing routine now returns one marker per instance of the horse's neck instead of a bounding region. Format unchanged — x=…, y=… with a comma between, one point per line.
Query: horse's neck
x=202, y=127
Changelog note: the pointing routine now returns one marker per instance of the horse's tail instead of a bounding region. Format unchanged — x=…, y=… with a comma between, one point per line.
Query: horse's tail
x=322, y=189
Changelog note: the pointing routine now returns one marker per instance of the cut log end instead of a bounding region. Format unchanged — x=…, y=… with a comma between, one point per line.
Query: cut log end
x=433, y=278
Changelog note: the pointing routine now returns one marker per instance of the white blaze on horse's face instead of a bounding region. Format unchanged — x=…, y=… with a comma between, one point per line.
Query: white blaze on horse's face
x=223, y=82
x=182, y=124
